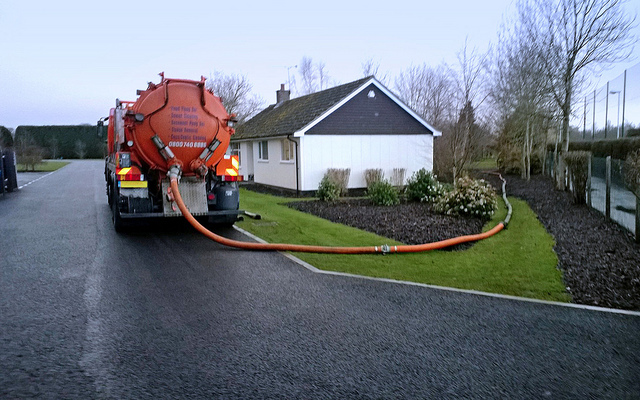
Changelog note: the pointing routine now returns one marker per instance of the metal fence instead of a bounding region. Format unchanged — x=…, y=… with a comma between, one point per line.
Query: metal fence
x=608, y=193
x=611, y=111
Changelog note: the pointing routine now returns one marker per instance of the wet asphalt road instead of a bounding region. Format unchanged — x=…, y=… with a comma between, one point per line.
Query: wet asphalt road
x=164, y=313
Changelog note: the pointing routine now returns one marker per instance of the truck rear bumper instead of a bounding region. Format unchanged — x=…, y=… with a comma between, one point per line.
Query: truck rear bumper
x=220, y=213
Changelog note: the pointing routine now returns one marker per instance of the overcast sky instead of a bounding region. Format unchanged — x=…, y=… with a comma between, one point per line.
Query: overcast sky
x=65, y=62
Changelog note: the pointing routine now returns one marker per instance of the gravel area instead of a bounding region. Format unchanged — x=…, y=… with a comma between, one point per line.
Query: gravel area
x=600, y=260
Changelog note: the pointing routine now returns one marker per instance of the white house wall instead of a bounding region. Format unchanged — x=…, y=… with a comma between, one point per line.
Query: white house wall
x=273, y=172
x=362, y=152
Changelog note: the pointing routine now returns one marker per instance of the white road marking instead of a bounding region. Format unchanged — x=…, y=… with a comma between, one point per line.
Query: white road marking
x=35, y=180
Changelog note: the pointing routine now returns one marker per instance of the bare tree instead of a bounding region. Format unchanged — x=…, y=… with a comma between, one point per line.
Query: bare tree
x=573, y=36
x=429, y=92
x=27, y=152
x=308, y=76
x=465, y=135
x=312, y=77
x=522, y=100
x=370, y=67
x=323, y=77
x=236, y=95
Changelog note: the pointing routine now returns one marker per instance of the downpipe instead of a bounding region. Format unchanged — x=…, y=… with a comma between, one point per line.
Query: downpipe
x=384, y=249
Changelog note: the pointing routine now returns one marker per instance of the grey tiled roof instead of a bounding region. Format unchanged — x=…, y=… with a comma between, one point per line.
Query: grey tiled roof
x=292, y=115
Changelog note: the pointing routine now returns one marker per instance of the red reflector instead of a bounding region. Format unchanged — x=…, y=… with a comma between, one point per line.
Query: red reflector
x=211, y=196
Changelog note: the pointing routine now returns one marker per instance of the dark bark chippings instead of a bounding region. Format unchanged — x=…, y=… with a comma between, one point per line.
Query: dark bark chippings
x=409, y=223
x=599, y=259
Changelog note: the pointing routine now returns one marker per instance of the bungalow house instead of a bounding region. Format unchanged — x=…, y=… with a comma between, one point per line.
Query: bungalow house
x=359, y=125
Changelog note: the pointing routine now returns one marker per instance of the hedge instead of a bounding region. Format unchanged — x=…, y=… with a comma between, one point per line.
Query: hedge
x=5, y=138
x=616, y=148
x=66, y=141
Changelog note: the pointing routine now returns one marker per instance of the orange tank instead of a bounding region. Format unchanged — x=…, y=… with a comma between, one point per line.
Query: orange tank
x=182, y=115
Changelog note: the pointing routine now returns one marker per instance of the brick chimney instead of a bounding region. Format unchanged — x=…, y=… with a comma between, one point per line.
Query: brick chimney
x=282, y=95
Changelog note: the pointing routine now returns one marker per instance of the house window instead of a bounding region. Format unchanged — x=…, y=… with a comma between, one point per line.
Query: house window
x=234, y=150
x=288, y=150
x=263, y=150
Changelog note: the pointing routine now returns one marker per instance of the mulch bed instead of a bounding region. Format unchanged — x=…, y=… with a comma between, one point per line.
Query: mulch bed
x=600, y=260
x=409, y=223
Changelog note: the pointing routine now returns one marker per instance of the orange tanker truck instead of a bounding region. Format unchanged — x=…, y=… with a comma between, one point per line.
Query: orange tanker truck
x=176, y=128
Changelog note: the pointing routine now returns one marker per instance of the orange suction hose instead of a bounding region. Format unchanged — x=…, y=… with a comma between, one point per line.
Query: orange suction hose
x=384, y=249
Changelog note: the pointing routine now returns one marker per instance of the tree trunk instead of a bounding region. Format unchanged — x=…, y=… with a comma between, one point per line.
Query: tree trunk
x=566, y=114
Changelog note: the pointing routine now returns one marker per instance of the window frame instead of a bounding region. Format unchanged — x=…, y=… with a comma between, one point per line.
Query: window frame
x=291, y=150
x=263, y=152
x=236, y=151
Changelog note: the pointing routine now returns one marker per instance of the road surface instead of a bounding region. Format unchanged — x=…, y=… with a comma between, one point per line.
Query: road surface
x=165, y=313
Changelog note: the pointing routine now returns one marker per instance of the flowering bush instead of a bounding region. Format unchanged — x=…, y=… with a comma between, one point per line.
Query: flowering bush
x=424, y=186
x=383, y=193
x=471, y=198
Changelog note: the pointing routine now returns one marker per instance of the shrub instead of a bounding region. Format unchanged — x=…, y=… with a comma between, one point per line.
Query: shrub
x=328, y=190
x=339, y=176
x=373, y=175
x=424, y=186
x=470, y=198
x=578, y=174
x=383, y=193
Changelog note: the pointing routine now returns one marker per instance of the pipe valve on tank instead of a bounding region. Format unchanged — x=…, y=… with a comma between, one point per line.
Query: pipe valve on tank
x=199, y=165
x=175, y=165
x=164, y=150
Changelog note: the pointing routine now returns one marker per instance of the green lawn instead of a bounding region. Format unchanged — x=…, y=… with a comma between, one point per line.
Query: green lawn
x=485, y=163
x=45, y=166
x=518, y=261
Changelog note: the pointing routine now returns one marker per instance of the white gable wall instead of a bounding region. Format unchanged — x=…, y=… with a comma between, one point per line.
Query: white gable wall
x=361, y=152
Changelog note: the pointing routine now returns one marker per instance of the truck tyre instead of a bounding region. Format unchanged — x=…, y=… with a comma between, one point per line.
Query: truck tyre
x=118, y=223
x=109, y=194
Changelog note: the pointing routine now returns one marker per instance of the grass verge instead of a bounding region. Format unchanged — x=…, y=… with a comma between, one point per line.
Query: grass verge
x=45, y=166
x=518, y=261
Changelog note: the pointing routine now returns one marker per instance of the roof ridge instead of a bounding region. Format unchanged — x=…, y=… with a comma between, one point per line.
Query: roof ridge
x=334, y=87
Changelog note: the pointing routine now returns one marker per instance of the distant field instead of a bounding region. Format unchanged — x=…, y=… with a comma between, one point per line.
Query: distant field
x=45, y=166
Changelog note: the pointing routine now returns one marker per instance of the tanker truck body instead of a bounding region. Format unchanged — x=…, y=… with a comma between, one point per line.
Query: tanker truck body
x=176, y=127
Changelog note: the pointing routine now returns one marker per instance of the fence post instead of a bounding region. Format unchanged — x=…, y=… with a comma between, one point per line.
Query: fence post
x=608, y=189
x=589, y=181
x=637, y=219
x=593, y=121
x=606, y=112
x=624, y=97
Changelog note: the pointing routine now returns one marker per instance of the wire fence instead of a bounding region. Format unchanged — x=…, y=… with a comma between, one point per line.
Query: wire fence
x=611, y=111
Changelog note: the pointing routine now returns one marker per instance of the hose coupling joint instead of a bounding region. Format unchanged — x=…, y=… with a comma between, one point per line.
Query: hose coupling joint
x=175, y=172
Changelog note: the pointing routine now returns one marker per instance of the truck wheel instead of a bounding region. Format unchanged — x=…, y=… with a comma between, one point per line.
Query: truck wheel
x=109, y=195
x=118, y=223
